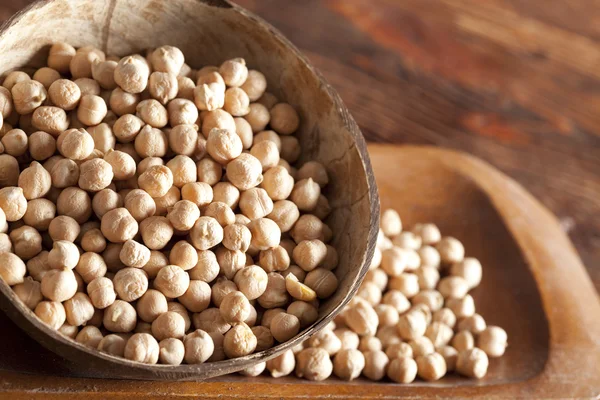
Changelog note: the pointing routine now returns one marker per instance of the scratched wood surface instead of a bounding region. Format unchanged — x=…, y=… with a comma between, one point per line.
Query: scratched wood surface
x=515, y=82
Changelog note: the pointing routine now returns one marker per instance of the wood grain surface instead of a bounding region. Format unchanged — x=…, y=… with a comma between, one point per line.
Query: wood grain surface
x=515, y=82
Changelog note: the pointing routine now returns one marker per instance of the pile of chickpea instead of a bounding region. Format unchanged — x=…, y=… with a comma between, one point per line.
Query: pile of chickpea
x=152, y=211
x=412, y=316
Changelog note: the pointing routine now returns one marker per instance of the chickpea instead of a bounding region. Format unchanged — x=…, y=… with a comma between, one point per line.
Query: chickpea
x=209, y=171
x=197, y=296
x=123, y=103
x=211, y=320
x=15, y=77
x=111, y=257
x=131, y=74
x=65, y=94
x=474, y=324
x=244, y=131
x=255, y=85
x=127, y=127
x=65, y=173
x=46, y=76
x=255, y=203
x=183, y=139
x=50, y=119
x=156, y=262
x=60, y=56
x=207, y=267
x=156, y=232
x=469, y=269
x=152, y=113
x=151, y=142
x=369, y=343
x=209, y=74
x=223, y=145
x=236, y=237
x=59, y=284
x=402, y=370
x=274, y=259
x=184, y=255
x=266, y=152
x=92, y=109
x=285, y=214
x=244, y=172
x=209, y=97
x=52, y=313
x=387, y=314
x=322, y=281
x=219, y=119
x=75, y=144
x=236, y=102
x=142, y=347
x=285, y=326
x=41, y=145
x=239, y=341
x=305, y=312
x=252, y=281
x=172, y=281
x=89, y=336
x=69, y=331
x=118, y=226
x=258, y=117
x=95, y=175
x=139, y=204
x=472, y=363
x=75, y=203
x=88, y=86
x=79, y=309
x=276, y=293
x=284, y=119
x=462, y=308
x=29, y=292
x=445, y=316
x=394, y=261
x=463, y=340
x=405, y=283
x=206, y=233
x=93, y=241
x=15, y=142
x=184, y=170
x=185, y=88
x=451, y=250
x=113, y=344
x=101, y=291
x=181, y=310
x=27, y=96
x=163, y=86
x=171, y=351
x=64, y=254
x=428, y=277
x=282, y=365
x=13, y=202
x=199, y=193
x=156, y=180
x=168, y=325
x=134, y=254
x=183, y=215
x=265, y=233
x=12, y=272
x=152, y=304
x=167, y=59
x=26, y=241
x=431, y=367
x=234, y=72
x=313, y=364
x=120, y=317
x=431, y=298
x=9, y=170
x=493, y=341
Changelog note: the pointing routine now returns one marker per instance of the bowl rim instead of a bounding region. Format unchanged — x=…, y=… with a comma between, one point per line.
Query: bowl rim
x=43, y=334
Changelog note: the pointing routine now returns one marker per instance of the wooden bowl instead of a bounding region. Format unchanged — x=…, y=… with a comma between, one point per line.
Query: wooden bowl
x=209, y=32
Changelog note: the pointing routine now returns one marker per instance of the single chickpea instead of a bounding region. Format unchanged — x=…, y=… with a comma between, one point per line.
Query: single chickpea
x=474, y=324
x=64, y=254
x=185, y=88
x=270, y=136
x=251, y=281
x=255, y=203
x=258, y=117
x=390, y=223
x=493, y=341
x=322, y=281
x=462, y=308
x=428, y=277
x=206, y=233
x=59, y=284
x=469, y=269
x=472, y=363
x=60, y=56
x=284, y=119
x=282, y=365
x=172, y=281
x=151, y=142
x=134, y=254
x=89, y=336
x=223, y=145
x=278, y=183
x=15, y=77
x=444, y=316
x=305, y=312
x=376, y=363
x=88, y=86
x=50, y=119
x=75, y=144
x=254, y=370
x=236, y=102
x=152, y=113
x=6, y=105
x=113, y=344
x=239, y=341
x=399, y=350
x=156, y=232
x=92, y=109
x=183, y=139
x=79, y=309
x=266, y=152
x=29, y=292
x=402, y=370
x=230, y=261
x=242, y=219
x=387, y=314
x=265, y=233
x=369, y=343
x=268, y=316
x=285, y=326
x=184, y=170
x=183, y=215
x=27, y=96
x=81, y=63
x=276, y=293
x=52, y=313
x=313, y=364
x=118, y=226
x=119, y=317
x=429, y=233
x=421, y=346
x=235, y=307
x=131, y=74
x=197, y=297
x=9, y=170
x=13, y=202
x=412, y=325
x=163, y=86
x=244, y=131
x=407, y=240
x=245, y=172
x=46, y=76
x=15, y=142
x=181, y=310
x=111, y=257
x=184, y=255
x=156, y=180
x=209, y=96
x=234, y=72
x=139, y=204
x=142, y=347
x=451, y=250
x=127, y=127
x=431, y=298
x=65, y=94
x=122, y=164
x=290, y=149
x=167, y=59
x=65, y=173
x=41, y=145
x=35, y=181
x=103, y=137
x=209, y=74
x=431, y=367
x=106, y=200
x=171, y=351
x=255, y=85
x=93, y=241
x=406, y=283
x=453, y=287
x=463, y=340
x=236, y=237
x=75, y=203
x=168, y=325
x=369, y=292
x=274, y=259
x=207, y=267
x=450, y=357
x=130, y=283
x=199, y=193
x=210, y=320
x=285, y=214
x=397, y=300
x=152, y=304
x=306, y=194
x=69, y=331
x=11, y=272
x=95, y=175
x=156, y=262
x=103, y=72
x=394, y=261
x=123, y=103
x=362, y=318
x=209, y=171
x=101, y=291
x=219, y=119
x=325, y=339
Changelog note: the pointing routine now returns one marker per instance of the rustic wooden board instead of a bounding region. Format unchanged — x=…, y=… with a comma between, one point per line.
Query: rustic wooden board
x=534, y=285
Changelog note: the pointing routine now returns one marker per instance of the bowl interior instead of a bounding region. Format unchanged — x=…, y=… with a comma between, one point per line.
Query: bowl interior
x=210, y=32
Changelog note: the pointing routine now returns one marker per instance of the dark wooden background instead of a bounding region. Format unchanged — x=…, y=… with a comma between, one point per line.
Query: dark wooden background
x=515, y=82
